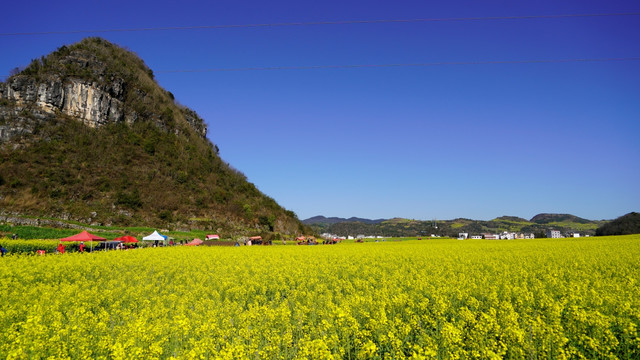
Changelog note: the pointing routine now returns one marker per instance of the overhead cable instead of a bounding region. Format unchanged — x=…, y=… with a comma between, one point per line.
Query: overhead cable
x=308, y=23
x=355, y=66
x=315, y=67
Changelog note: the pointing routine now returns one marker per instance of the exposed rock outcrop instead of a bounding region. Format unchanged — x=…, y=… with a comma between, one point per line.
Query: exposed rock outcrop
x=94, y=82
x=194, y=120
x=85, y=101
x=17, y=220
x=19, y=120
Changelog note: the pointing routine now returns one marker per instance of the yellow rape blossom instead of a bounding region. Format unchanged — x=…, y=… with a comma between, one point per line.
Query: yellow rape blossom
x=429, y=299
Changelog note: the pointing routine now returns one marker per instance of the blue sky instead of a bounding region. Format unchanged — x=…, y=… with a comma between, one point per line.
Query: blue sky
x=423, y=142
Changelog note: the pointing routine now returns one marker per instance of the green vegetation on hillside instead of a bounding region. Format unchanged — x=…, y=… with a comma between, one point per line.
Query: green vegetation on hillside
x=405, y=227
x=556, y=218
x=127, y=175
x=624, y=225
x=154, y=169
x=35, y=232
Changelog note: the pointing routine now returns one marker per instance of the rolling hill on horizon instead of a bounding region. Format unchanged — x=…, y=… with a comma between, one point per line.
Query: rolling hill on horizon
x=408, y=227
x=335, y=220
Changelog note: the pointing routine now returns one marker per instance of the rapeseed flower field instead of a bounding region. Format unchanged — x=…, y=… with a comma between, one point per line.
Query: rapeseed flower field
x=428, y=299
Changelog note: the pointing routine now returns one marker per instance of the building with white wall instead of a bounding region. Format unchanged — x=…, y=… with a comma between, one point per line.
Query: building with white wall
x=554, y=234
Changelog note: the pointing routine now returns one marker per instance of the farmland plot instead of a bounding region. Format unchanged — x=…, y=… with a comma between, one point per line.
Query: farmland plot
x=446, y=299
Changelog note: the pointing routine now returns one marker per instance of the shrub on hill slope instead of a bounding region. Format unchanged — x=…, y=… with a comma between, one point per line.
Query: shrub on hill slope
x=624, y=225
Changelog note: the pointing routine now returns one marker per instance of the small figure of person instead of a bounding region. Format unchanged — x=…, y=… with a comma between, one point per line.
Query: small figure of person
x=14, y=237
x=81, y=246
x=3, y=250
x=60, y=248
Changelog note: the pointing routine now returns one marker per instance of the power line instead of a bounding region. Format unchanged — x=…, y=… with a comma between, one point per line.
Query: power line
x=316, y=67
x=344, y=22
x=356, y=66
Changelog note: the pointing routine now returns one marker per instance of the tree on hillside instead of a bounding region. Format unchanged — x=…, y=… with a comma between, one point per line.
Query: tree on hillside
x=624, y=225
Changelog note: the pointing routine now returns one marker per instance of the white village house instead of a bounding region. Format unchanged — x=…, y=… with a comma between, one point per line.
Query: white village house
x=554, y=234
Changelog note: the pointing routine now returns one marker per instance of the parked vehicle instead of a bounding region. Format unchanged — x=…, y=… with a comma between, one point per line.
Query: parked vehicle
x=108, y=245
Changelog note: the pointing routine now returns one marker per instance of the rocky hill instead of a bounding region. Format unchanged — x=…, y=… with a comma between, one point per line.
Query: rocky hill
x=87, y=135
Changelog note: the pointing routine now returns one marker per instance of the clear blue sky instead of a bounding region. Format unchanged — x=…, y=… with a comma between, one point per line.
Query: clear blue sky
x=475, y=141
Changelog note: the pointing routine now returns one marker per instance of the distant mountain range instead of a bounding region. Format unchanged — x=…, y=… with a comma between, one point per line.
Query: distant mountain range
x=335, y=220
x=538, y=225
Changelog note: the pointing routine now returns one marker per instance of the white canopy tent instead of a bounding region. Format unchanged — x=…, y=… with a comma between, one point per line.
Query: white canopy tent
x=155, y=236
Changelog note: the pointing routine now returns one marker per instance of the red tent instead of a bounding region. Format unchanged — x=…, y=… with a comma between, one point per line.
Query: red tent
x=83, y=236
x=194, y=242
x=127, y=239
x=212, y=237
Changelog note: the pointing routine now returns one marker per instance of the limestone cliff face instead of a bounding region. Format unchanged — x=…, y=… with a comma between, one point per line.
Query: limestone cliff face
x=94, y=82
x=84, y=101
x=87, y=102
